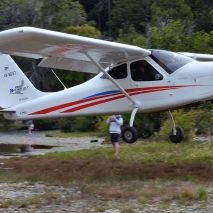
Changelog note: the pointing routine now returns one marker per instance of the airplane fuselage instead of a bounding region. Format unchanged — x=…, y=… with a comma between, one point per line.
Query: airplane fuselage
x=191, y=83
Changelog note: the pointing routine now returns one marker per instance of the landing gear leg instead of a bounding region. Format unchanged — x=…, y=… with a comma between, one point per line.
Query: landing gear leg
x=129, y=133
x=177, y=133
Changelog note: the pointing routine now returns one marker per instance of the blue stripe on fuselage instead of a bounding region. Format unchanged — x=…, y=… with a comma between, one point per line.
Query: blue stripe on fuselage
x=103, y=93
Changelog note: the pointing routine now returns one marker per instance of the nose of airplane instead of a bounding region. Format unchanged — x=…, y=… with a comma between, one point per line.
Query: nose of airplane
x=203, y=77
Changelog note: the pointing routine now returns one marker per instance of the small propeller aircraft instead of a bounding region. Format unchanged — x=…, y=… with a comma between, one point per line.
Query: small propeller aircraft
x=129, y=78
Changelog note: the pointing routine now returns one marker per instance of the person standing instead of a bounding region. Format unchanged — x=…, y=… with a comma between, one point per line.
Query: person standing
x=115, y=122
x=30, y=126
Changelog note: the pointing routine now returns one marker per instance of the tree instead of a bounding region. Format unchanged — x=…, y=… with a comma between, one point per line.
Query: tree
x=201, y=42
x=98, y=11
x=128, y=14
x=168, y=37
x=63, y=14
x=165, y=12
x=84, y=30
x=45, y=14
x=203, y=14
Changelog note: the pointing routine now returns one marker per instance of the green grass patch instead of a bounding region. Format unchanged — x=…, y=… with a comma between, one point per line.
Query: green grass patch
x=143, y=161
x=148, y=152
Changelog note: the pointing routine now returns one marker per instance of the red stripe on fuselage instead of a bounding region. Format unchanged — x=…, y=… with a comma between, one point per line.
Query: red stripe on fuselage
x=74, y=109
x=131, y=91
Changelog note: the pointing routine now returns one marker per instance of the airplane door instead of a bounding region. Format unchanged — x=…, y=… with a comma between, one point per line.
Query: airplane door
x=148, y=83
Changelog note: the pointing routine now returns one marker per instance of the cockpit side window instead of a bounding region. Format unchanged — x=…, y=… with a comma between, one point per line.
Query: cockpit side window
x=143, y=71
x=119, y=72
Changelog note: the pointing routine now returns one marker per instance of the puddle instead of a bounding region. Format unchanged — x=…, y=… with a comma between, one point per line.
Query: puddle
x=8, y=149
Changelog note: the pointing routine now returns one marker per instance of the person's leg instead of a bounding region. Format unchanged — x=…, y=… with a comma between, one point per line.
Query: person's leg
x=115, y=143
x=112, y=137
x=116, y=148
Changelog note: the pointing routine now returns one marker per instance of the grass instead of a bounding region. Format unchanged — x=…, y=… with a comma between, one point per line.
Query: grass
x=146, y=152
x=145, y=171
x=138, y=161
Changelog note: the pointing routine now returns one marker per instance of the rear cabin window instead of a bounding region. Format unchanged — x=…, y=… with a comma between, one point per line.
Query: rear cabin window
x=119, y=72
x=143, y=71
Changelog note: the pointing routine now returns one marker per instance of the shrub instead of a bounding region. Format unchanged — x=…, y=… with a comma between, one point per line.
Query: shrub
x=66, y=125
x=46, y=124
x=85, y=123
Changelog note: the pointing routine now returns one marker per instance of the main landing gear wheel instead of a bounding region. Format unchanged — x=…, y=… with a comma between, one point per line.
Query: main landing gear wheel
x=176, y=135
x=129, y=134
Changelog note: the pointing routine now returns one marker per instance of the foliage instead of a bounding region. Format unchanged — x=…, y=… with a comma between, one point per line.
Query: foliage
x=181, y=25
x=98, y=11
x=165, y=12
x=203, y=120
x=85, y=123
x=132, y=37
x=101, y=125
x=169, y=36
x=46, y=124
x=84, y=30
x=199, y=42
x=66, y=125
x=80, y=123
x=128, y=14
x=47, y=14
x=203, y=14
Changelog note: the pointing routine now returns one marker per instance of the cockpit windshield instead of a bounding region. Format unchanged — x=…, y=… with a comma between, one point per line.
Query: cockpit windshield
x=169, y=61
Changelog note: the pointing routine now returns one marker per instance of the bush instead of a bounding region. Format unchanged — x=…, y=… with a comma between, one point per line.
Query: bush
x=66, y=125
x=46, y=124
x=81, y=123
x=101, y=125
x=85, y=123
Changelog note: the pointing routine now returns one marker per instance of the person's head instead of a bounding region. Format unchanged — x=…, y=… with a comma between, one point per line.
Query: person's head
x=141, y=66
x=117, y=116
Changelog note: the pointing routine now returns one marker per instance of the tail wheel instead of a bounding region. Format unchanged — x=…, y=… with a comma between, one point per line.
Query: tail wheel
x=176, y=135
x=129, y=134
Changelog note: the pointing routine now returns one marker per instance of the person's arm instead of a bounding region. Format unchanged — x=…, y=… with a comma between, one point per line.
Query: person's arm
x=119, y=121
x=110, y=119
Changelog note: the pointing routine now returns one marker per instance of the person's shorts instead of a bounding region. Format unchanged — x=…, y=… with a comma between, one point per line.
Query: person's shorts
x=115, y=137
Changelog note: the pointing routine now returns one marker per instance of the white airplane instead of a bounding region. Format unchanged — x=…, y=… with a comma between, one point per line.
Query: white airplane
x=129, y=78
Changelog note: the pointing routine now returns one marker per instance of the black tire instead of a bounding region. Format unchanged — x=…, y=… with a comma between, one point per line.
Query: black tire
x=129, y=134
x=146, y=134
x=178, y=137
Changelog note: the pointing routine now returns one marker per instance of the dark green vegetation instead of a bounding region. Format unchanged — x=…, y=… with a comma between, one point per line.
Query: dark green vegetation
x=182, y=25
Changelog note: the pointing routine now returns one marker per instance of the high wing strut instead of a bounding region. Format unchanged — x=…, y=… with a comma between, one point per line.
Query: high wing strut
x=58, y=79
x=134, y=104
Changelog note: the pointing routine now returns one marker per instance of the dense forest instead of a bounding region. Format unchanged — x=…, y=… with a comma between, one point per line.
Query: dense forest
x=181, y=25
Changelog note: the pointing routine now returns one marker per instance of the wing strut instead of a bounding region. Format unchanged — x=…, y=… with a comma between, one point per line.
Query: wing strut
x=134, y=104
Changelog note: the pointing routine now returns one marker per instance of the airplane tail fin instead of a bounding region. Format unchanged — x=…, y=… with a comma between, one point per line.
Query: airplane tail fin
x=15, y=87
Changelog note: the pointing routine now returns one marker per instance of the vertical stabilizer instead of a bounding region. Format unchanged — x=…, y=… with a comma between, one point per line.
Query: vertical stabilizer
x=15, y=87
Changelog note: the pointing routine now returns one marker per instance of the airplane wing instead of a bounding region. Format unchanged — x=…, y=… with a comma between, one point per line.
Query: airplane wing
x=66, y=51
x=198, y=56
